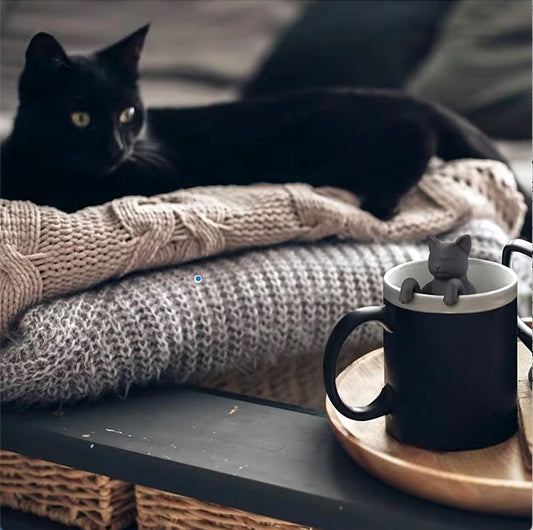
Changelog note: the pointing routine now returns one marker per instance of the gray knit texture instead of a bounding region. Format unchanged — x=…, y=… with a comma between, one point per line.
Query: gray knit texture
x=251, y=309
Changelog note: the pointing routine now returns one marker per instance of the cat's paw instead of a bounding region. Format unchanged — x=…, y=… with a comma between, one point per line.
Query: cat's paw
x=451, y=298
x=453, y=290
x=408, y=289
x=383, y=209
x=405, y=297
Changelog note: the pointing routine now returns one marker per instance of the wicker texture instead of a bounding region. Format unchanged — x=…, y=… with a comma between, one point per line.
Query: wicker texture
x=45, y=252
x=66, y=495
x=295, y=379
x=158, y=509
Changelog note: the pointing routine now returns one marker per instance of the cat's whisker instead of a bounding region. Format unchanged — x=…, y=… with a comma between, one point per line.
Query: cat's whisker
x=146, y=154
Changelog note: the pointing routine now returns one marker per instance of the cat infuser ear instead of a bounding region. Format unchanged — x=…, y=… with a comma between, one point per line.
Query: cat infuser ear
x=126, y=53
x=44, y=50
x=433, y=242
x=464, y=243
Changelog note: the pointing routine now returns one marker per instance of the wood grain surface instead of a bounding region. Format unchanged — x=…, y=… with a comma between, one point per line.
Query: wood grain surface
x=492, y=480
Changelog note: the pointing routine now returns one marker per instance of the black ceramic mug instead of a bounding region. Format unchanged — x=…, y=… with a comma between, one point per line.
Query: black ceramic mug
x=450, y=371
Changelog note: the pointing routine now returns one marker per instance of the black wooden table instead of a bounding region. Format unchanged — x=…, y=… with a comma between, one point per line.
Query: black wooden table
x=254, y=455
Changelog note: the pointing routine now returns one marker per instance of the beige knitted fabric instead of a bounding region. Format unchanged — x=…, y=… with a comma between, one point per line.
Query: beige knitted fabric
x=256, y=324
x=45, y=252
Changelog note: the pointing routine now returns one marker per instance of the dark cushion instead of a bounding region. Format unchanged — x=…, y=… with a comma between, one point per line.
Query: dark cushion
x=481, y=66
x=363, y=43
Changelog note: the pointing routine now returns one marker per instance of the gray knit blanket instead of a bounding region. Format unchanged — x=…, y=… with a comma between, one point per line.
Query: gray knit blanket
x=252, y=311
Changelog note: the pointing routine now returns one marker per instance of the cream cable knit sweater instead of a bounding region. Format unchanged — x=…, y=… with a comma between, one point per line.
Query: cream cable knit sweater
x=257, y=322
x=45, y=253
x=259, y=318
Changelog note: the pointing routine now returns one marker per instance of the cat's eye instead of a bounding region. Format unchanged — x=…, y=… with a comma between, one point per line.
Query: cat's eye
x=126, y=116
x=80, y=119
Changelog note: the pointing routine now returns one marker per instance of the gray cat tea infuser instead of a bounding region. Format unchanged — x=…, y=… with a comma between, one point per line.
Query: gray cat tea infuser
x=449, y=349
x=448, y=263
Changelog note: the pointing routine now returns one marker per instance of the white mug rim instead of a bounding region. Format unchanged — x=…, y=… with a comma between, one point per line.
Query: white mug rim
x=472, y=303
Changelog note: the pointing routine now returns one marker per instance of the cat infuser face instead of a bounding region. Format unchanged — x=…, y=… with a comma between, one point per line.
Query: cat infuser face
x=82, y=112
x=448, y=260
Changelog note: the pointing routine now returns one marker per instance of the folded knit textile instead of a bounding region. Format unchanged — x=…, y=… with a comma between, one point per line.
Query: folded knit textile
x=45, y=252
x=256, y=324
x=258, y=321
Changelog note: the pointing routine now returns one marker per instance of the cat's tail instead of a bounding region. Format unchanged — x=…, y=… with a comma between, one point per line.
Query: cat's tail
x=458, y=138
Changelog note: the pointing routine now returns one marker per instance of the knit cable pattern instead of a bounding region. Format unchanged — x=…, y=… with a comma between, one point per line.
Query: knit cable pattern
x=45, y=253
x=254, y=314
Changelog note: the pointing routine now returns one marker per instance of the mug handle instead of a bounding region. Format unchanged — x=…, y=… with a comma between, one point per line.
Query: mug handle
x=524, y=247
x=384, y=403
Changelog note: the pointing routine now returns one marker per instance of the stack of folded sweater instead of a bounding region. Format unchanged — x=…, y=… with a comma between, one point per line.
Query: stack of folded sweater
x=279, y=265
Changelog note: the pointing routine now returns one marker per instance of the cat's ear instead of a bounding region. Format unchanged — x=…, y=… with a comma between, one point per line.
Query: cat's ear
x=464, y=243
x=433, y=243
x=45, y=51
x=126, y=53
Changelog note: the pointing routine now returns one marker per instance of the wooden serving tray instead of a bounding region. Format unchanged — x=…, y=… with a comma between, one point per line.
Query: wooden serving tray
x=492, y=480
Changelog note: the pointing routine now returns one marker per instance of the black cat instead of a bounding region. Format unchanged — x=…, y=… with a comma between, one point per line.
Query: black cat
x=77, y=138
x=448, y=263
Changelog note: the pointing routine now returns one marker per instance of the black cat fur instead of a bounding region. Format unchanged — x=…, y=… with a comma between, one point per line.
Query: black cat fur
x=375, y=143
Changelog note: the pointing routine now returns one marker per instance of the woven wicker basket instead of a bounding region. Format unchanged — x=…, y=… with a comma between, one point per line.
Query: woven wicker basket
x=297, y=379
x=72, y=497
x=161, y=510
x=91, y=501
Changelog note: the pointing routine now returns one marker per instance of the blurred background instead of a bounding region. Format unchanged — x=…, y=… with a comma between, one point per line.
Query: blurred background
x=472, y=55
